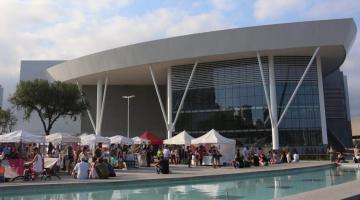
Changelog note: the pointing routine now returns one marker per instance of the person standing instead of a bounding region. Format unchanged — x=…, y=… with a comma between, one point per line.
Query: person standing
x=84, y=154
x=356, y=154
x=2, y=173
x=98, y=151
x=148, y=156
x=166, y=153
x=245, y=153
x=200, y=153
x=50, y=149
x=71, y=159
x=188, y=155
x=37, y=163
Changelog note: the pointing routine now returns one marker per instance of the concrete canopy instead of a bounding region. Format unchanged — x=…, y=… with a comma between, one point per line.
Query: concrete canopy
x=128, y=65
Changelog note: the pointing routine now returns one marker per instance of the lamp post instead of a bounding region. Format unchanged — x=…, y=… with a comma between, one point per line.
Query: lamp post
x=128, y=118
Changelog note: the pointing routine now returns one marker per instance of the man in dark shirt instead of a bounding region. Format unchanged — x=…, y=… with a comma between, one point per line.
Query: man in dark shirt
x=102, y=169
x=162, y=166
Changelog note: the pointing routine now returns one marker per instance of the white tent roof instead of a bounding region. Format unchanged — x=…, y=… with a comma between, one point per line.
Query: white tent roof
x=61, y=138
x=22, y=136
x=119, y=139
x=139, y=140
x=212, y=137
x=182, y=138
x=93, y=139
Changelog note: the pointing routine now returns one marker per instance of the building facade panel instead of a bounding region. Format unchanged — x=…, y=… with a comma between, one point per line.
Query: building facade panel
x=229, y=96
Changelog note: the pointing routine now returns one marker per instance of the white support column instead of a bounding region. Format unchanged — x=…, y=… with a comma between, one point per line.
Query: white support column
x=265, y=88
x=273, y=104
x=169, y=104
x=98, y=104
x=321, y=101
x=298, y=85
x=103, y=103
x=87, y=110
x=159, y=97
x=184, y=95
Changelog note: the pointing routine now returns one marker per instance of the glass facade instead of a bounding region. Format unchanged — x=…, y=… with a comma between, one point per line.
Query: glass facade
x=229, y=97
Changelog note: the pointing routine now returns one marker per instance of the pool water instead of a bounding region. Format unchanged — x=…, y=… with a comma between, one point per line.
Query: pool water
x=263, y=186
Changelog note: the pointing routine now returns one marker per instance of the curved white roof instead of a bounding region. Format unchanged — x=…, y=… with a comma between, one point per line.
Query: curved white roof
x=128, y=64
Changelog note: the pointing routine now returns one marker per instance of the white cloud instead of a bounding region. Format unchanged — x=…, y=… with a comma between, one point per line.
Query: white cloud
x=272, y=9
x=199, y=23
x=51, y=30
x=224, y=4
x=330, y=8
x=351, y=69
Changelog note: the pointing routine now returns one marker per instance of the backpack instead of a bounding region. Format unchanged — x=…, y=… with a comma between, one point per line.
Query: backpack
x=102, y=170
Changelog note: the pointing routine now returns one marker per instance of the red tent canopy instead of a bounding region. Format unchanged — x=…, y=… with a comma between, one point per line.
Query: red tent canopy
x=152, y=137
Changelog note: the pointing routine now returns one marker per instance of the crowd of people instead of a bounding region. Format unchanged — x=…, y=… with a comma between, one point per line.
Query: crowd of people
x=246, y=158
x=101, y=162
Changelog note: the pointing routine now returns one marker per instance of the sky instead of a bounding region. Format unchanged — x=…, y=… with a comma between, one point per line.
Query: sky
x=62, y=30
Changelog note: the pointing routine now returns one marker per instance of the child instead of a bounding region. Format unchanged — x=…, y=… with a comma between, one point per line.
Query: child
x=93, y=174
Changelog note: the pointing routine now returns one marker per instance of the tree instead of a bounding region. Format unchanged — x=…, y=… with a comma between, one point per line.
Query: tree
x=7, y=120
x=50, y=100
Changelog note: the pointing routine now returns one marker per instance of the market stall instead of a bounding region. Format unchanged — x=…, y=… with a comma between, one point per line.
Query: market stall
x=119, y=139
x=139, y=140
x=154, y=140
x=16, y=140
x=92, y=140
x=62, y=138
x=183, y=138
x=225, y=145
x=22, y=136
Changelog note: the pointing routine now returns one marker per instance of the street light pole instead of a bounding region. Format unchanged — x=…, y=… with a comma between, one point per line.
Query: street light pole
x=128, y=111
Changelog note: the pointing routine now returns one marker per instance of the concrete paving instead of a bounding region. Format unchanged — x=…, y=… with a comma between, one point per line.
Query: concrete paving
x=147, y=175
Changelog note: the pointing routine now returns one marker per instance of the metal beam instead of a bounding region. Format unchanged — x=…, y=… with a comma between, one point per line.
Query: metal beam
x=99, y=91
x=321, y=101
x=184, y=95
x=87, y=110
x=169, y=102
x=159, y=97
x=273, y=103
x=265, y=89
x=298, y=85
x=103, y=102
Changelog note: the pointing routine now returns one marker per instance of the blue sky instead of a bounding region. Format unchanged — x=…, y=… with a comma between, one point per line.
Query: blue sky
x=47, y=29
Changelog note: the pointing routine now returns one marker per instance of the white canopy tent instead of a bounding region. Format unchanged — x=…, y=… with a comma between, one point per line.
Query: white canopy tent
x=23, y=137
x=119, y=139
x=183, y=138
x=62, y=138
x=139, y=140
x=226, y=146
x=92, y=139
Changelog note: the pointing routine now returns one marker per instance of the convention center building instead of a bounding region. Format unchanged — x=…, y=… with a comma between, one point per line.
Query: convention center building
x=275, y=84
